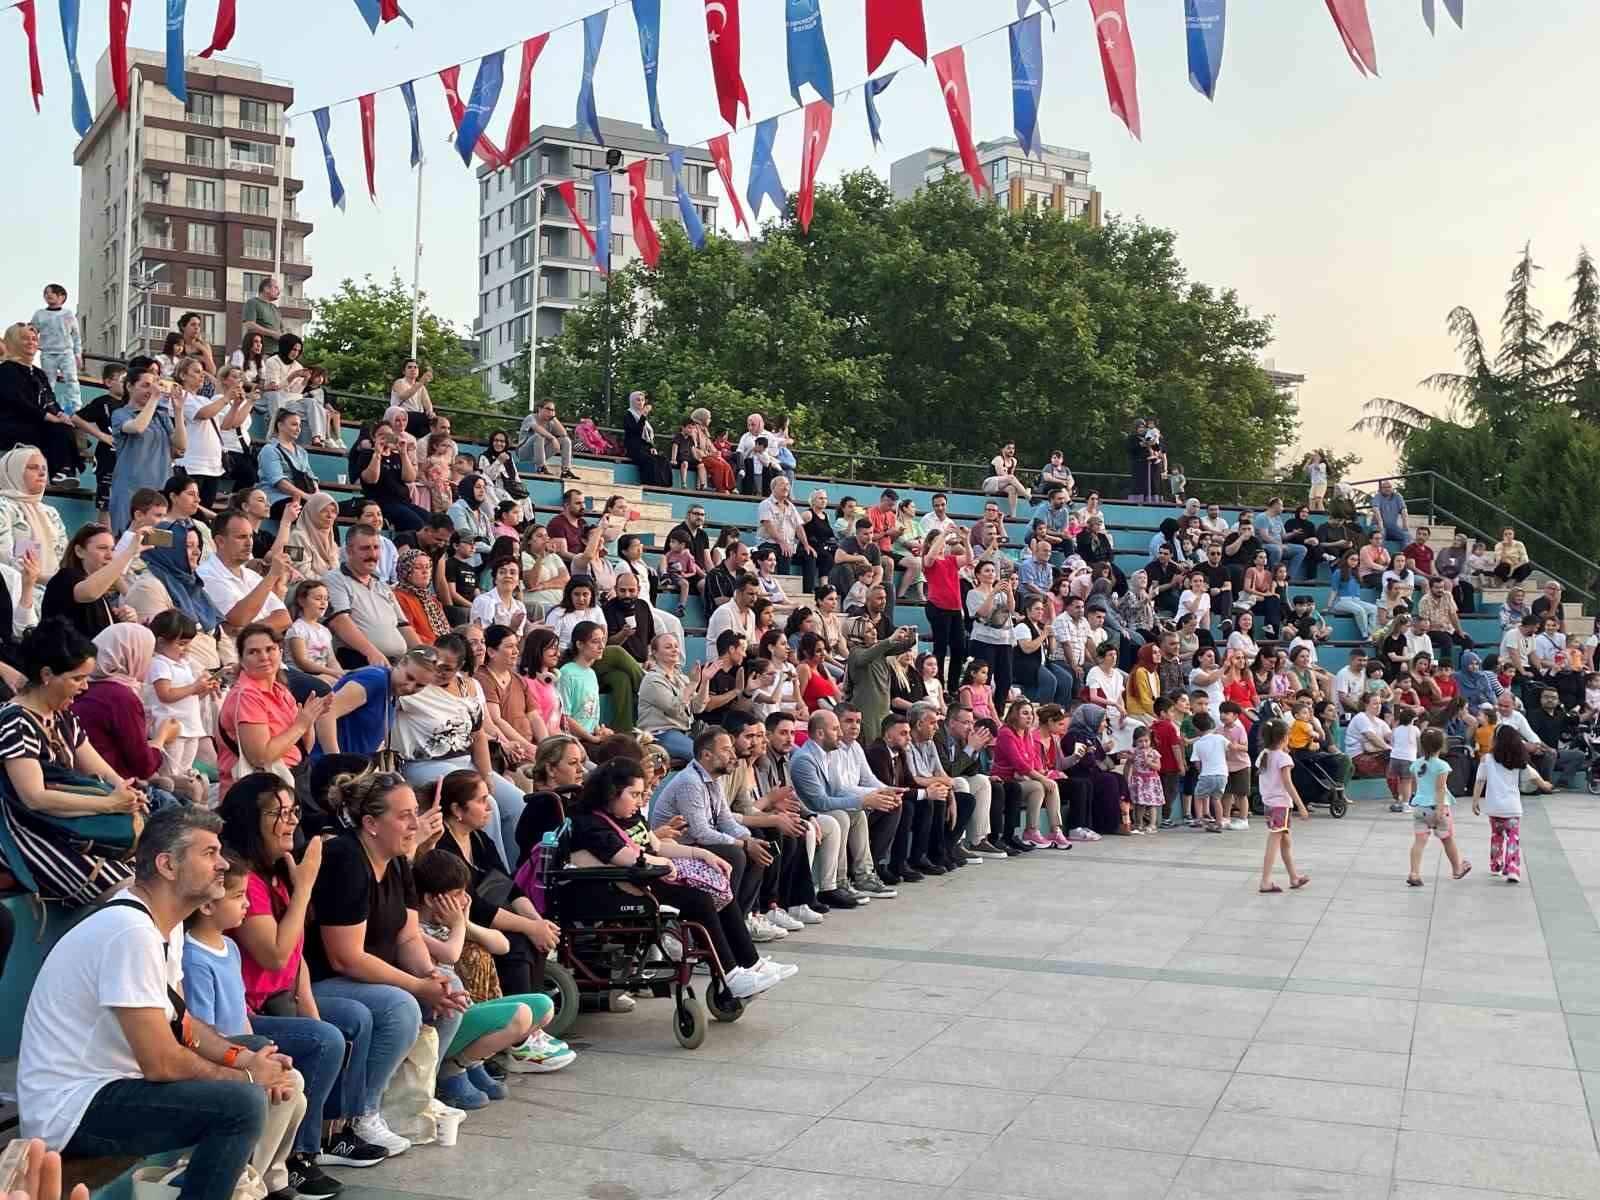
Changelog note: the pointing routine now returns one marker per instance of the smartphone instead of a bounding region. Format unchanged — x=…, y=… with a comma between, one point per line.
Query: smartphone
x=23, y=547
x=295, y=553
x=14, y=1166
x=158, y=537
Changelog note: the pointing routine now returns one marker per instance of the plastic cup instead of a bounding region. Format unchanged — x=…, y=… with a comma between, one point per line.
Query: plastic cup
x=449, y=1128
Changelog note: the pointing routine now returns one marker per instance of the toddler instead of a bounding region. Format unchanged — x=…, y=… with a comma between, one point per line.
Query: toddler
x=60, y=346
x=309, y=641
x=1430, y=807
x=1211, y=755
x=1144, y=781
x=1499, y=789
x=682, y=569
x=976, y=693
x=1177, y=482
x=177, y=692
x=1274, y=768
x=1402, y=756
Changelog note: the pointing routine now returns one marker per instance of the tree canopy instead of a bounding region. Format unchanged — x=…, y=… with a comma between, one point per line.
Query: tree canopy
x=932, y=329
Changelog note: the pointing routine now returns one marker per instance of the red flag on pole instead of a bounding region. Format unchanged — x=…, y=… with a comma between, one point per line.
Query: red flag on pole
x=1116, y=56
x=119, y=49
x=819, y=124
x=951, y=68
x=644, y=229
x=451, y=78
x=30, y=27
x=891, y=21
x=724, y=160
x=389, y=10
x=569, y=193
x=1350, y=16
x=722, y=34
x=520, y=131
x=223, y=33
x=369, y=150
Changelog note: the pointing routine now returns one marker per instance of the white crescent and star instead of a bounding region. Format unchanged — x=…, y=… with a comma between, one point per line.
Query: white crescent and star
x=952, y=91
x=721, y=10
x=1109, y=35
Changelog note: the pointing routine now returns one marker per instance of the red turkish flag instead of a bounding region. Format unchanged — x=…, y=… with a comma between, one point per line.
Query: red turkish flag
x=951, y=68
x=520, y=131
x=1350, y=16
x=119, y=49
x=724, y=160
x=1116, y=56
x=644, y=229
x=30, y=28
x=819, y=124
x=369, y=121
x=222, y=34
x=389, y=10
x=451, y=78
x=891, y=21
x=722, y=35
x=569, y=193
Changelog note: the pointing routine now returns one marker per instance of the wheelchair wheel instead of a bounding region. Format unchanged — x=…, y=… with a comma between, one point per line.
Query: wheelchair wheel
x=1594, y=780
x=1338, y=805
x=562, y=989
x=689, y=1020
x=723, y=1004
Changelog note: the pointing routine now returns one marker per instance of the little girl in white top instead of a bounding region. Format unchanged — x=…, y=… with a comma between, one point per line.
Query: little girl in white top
x=175, y=691
x=309, y=641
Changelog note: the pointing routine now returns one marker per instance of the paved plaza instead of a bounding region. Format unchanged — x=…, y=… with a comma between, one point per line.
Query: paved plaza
x=1129, y=1020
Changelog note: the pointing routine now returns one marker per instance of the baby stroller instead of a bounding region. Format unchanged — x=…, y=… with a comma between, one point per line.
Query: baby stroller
x=615, y=941
x=1318, y=787
x=1589, y=742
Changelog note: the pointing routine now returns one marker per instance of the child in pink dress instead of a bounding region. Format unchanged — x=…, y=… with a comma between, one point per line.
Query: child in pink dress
x=1144, y=781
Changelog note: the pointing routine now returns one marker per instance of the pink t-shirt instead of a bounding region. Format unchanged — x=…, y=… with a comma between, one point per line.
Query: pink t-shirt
x=1238, y=735
x=1270, y=777
x=259, y=983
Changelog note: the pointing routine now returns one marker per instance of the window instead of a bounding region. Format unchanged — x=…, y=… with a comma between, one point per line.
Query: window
x=485, y=264
x=255, y=200
x=252, y=156
x=258, y=243
x=619, y=247
x=616, y=203
x=160, y=317
x=253, y=281
x=201, y=107
x=202, y=239
x=656, y=169
x=201, y=283
x=200, y=193
x=256, y=115
x=199, y=151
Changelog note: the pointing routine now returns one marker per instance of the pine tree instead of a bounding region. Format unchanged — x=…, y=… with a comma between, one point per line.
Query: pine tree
x=1523, y=364
x=1576, y=373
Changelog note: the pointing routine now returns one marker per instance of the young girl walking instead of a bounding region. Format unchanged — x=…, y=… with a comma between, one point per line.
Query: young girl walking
x=1402, y=760
x=1430, y=808
x=1273, y=771
x=1499, y=791
x=1144, y=782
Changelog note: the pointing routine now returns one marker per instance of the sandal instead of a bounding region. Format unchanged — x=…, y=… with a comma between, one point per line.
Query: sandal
x=1466, y=869
x=1413, y=882
x=1301, y=882
x=1272, y=889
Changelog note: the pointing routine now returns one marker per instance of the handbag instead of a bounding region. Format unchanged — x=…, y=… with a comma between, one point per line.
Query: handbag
x=303, y=480
x=495, y=888
x=693, y=873
x=74, y=859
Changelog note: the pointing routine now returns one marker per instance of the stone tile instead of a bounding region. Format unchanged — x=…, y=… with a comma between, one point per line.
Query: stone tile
x=1219, y=1179
x=1029, y=1167
x=934, y=1106
x=867, y=1150
x=1270, y=1096
x=1347, y=1022
x=1497, y=1034
x=621, y=1075
x=1523, y=1121
x=1184, y=1087
x=806, y=1093
x=1480, y=1163
x=1176, y=1050
x=1118, y=1123
x=994, y=1069
x=550, y=1116
x=818, y=962
x=701, y=1132
x=1500, y=1081
x=778, y=1183
x=1020, y=1037
x=1409, y=1189
x=1316, y=965
x=1318, y=1145
x=1333, y=1064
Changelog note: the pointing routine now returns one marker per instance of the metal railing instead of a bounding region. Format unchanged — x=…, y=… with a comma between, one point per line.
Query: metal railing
x=200, y=160
x=258, y=126
x=253, y=166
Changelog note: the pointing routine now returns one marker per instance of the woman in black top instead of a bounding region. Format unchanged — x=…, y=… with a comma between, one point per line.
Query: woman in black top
x=29, y=414
x=1094, y=546
x=82, y=591
x=1299, y=530
x=820, y=534
x=639, y=442
x=557, y=769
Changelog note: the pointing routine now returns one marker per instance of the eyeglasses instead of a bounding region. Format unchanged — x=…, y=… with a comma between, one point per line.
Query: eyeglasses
x=285, y=814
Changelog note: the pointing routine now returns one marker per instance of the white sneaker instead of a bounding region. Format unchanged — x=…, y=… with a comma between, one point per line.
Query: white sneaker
x=762, y=930
x=620, y=1002
x=1083, y=834
x=744, y=982
x=805, y=914
x=776, y=969
x=777, y=916
x=1239, y=824
x=372, y=1128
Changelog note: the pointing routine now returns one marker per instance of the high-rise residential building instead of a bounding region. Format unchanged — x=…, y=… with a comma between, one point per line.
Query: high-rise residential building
x=1059, y=180
x=510, y=258
x=207, y=177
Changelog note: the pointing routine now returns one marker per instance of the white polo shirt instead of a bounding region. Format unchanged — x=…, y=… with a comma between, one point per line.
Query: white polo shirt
x=227, y=588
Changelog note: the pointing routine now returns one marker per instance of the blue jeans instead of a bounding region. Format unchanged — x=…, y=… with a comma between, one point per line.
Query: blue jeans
x=1364, y=611
x=508, y=799
x=675, y=743
x=317, y=1048
x=1287, y=552
x=396, y=1021
x=222, y=1121
x=447, y=1028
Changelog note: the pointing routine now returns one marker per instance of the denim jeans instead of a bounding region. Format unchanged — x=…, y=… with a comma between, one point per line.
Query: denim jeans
x=317, y=1048
x=508, y=798
x=396, y=1021
x=222, y=1121
x=674, y=742
x=1364, y=611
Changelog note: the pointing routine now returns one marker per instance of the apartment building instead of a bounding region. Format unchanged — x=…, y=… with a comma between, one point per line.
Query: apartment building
x=1060, y=180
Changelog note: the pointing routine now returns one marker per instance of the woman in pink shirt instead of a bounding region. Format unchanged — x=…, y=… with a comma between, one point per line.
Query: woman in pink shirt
x=1019, y=763
x=1373, y=560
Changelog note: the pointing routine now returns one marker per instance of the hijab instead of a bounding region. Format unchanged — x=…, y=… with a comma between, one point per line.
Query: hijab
x=170, y=564
x=1476, y=687
x=431, y=607
x=32, y=508
x=1086, y=722
x=123, y=653
x=324, y=547
x=636, y=406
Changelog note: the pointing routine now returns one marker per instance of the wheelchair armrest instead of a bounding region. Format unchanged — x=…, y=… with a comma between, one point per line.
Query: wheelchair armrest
x=635, y=874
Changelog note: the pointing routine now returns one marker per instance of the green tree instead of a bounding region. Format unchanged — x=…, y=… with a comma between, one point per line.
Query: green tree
x=1576, y=373
x=1551, y=488
x=1523, y=363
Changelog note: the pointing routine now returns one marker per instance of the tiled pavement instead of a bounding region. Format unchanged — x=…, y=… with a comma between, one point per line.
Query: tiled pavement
x=1126, y=1021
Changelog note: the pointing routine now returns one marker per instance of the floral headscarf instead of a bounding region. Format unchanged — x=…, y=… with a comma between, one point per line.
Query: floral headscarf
x=430, y=603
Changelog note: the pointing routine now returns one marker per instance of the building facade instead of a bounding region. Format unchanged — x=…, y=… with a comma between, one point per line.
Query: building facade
x=527, y=283
x=205, y=204
x=1059, y=181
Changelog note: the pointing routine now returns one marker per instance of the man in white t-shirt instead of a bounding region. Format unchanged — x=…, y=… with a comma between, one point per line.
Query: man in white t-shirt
x=241, y=596
x=1350, y=684
x=102, y=1028
x=738, y=614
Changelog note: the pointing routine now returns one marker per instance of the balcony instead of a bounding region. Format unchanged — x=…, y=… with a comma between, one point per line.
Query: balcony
x=212, y=118
x=200, y=160
x=157, y=241
x=251, y=166
x=258, y=126
x=255, y=210
x=197, y=292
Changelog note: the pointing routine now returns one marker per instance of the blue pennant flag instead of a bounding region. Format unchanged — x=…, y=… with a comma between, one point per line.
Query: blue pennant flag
x=647, y=15
x=1456, y=9
x=873, y=89
x=808, y=50
x=692, y=224
x=1027, y=81
x=335, y=188
x=1022, y=10
x=410, y=93
x=602, y=219
x=371, y=12
x=175, y=84
x=594, y=32
x=1207, y=22
x=82, y=118
x=764, y=178
x=480, y=108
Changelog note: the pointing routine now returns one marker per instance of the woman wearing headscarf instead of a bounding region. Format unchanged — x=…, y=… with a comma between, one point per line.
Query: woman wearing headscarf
x=639, y=442
x=24, y=516
x=413, y=591
x=171, y=582
x=313, y=533
x=719, y=472
x=1475, y=685
x=1144, y=685
x=472, y=512
x=282, y=378
x=1084, y=757
x=29, y=414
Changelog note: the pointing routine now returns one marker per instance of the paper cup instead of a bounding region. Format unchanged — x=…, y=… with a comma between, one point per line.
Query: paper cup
x=449, y=1127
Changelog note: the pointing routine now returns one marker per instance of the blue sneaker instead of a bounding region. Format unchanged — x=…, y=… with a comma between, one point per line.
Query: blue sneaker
x=458, y=1091
x=486, y=1083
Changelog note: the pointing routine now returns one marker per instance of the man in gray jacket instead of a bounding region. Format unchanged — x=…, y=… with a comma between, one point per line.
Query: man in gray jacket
x=831, y=776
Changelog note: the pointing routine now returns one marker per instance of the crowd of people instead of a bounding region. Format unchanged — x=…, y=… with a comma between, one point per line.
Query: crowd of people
x=339, y=732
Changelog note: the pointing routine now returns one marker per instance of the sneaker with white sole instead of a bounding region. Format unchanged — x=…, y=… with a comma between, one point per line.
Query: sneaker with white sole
x=620, y=1002
x=781, y=970
x=780, y=918
x=874, y=888
x=345, y=1149
x=805, y=914
x=744, y=982
x=1082, y=834
x=373, y=1128
x=531, y=1057
x=1239, y=824
x=763, y=930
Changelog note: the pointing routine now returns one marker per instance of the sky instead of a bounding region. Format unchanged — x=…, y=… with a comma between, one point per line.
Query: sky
x=1356, y=212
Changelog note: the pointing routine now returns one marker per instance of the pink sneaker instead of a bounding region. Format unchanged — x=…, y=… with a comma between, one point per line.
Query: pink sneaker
x=1035, y=838
x=1059, y=841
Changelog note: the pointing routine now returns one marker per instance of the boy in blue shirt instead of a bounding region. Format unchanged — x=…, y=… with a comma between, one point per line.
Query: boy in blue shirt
x=60, y=346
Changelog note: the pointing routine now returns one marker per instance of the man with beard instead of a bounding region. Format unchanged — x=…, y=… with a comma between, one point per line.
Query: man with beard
x=776, y=816
x=827, y=833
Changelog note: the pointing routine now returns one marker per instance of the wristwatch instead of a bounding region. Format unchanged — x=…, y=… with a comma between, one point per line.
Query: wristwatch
x=231, y=1054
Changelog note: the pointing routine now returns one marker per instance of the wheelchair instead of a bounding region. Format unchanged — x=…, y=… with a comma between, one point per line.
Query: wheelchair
x=613, y=940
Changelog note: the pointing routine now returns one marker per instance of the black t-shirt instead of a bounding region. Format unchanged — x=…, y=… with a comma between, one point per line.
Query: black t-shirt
x=617, y=611
x=1334, y=532
x=699, y=542
x=598, y=835
x=463, y=576
x=1216, y=575
x=1394, y=644
x=391, y=487
x=98, y=413
x=1159, y=575
x=543, y=812
x=1298, y=529
x=485, y=858
x=722, y=682
x=347, y=893
x=59, y=601
x=1245, y=554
